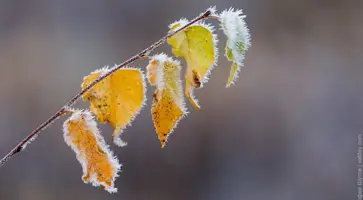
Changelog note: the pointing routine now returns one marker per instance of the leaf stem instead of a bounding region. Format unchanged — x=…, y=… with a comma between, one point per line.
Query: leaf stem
x=21, y=145
x=213, y=17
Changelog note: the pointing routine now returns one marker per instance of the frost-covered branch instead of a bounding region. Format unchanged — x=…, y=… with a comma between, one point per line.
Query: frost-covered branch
x=64, y=110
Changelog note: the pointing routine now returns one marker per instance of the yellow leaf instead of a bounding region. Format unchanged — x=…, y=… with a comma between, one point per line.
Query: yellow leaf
x=117, y=99
x=168, y=101
x=99, y=165
x=233, y=74
x=235, y=28
x=198, y=46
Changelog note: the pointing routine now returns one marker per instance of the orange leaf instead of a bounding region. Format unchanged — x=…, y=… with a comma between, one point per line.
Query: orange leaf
x=99, y=165
x=168, y=102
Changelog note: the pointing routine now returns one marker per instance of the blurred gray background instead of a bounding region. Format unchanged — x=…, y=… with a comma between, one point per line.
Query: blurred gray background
x=286, y=130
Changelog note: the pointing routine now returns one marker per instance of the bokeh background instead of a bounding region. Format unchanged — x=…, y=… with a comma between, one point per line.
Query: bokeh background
x=286, y=130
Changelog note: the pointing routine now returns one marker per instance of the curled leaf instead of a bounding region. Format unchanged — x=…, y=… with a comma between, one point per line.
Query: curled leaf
x=99, y=165
x=198, y=46
x=117, y=99
x=238, y=40
x=168, y=101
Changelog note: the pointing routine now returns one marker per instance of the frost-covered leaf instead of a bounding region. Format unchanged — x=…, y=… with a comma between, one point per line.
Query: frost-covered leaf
x=238, y=40
x=198, y=46
x=168, y=103
x=99, y=165
x=117, y=99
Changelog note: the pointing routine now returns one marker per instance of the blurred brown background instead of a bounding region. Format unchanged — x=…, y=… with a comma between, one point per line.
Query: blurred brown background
x=286, y=130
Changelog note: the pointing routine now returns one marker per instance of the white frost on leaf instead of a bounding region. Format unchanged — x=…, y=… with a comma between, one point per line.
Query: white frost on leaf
x=168, y=102
x=235, y=28
x=99, y=165
x=179, y=23
x=165, y=75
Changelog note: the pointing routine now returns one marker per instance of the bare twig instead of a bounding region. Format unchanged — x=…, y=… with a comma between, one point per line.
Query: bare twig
x=19, y=147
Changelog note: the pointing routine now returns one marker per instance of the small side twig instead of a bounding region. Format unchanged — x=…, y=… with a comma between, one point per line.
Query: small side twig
x=21, y=145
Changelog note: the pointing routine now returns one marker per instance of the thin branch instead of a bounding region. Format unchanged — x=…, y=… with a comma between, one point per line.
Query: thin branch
x=19, y=147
